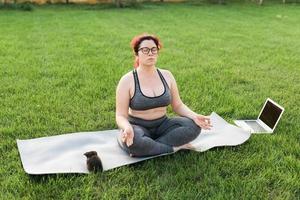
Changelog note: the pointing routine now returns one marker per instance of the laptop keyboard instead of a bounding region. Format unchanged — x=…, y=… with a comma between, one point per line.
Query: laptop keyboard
x=255, y=126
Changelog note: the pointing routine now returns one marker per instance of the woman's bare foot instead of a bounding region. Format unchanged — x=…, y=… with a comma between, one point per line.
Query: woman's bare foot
x=185, y=146
x=176, y=149
x=189, y=146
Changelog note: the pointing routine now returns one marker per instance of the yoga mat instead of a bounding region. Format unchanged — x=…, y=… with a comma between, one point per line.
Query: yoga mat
x=64, y=153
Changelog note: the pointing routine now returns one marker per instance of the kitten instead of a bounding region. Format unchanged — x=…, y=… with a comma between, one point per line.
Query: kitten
x=93, y=161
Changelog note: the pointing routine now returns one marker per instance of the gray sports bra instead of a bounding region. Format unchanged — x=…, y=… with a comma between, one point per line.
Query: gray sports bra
x=139, y=101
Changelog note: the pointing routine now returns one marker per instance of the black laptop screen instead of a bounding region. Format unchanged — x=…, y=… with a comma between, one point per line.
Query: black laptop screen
x=270, y=114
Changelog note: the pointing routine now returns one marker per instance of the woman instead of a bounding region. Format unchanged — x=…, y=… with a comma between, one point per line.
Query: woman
x=142, y=97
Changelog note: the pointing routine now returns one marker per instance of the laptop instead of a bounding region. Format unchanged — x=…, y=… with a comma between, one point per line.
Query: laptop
x=266, y=121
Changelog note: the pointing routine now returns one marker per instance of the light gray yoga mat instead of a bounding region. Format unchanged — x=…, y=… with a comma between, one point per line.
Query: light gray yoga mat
x=64, y=153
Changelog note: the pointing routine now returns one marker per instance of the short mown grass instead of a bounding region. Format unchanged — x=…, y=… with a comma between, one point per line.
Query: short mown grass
x=59, y=67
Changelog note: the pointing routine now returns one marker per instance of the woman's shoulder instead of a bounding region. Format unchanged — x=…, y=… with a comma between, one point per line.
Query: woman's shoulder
x=163, y=71
x=128, y=74
x=127, y=78
x=166, y=73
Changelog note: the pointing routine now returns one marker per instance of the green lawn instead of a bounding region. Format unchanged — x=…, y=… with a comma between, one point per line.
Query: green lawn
x=59, y=67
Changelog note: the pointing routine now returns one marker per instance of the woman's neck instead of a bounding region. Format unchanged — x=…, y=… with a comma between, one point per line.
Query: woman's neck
x=147, y=69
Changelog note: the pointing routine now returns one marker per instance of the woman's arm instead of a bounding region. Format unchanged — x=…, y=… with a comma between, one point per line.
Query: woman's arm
x=177, y=105
x=122, y=103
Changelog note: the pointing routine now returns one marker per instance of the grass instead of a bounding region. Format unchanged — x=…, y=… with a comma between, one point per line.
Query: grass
x=59, y=67
x=14, y=6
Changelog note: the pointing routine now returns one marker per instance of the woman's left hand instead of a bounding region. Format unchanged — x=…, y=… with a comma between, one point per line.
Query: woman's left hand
x=202, y=121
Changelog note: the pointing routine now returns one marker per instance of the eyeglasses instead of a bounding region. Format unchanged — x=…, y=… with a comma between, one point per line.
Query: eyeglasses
x=146, y=50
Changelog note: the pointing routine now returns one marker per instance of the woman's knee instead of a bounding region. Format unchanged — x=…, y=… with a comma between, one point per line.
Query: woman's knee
x=137, y=143
x=194, y=128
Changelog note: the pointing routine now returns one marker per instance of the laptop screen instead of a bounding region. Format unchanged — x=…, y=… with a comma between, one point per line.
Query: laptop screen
x=270, y=114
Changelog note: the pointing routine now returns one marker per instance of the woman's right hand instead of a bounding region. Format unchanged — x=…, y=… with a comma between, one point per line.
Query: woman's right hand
x=127, y=135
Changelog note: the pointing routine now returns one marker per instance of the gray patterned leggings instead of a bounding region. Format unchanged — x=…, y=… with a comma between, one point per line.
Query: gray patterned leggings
x=158, y=136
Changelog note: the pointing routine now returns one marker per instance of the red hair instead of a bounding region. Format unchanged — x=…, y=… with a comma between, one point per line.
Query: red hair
x=137, y=40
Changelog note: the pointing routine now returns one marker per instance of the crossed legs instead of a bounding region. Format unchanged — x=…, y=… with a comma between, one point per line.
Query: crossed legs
x=171, y=133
